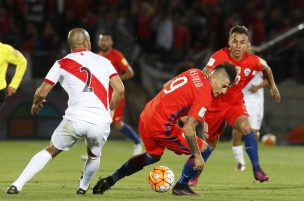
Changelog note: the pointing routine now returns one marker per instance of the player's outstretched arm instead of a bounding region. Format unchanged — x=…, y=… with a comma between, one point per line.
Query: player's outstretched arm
x=190, y=136
x=273, y=87
x=39, y=97
x=118, y=91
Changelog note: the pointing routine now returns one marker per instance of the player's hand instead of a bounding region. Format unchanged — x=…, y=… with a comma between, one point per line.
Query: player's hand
x=37, y=107
x=10, y=91
x=254, y=89
x=274, y=92
x=198, y=163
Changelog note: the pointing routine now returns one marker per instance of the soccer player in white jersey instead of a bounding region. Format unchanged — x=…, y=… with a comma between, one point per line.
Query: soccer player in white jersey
x=254, y=101
x=85, y=76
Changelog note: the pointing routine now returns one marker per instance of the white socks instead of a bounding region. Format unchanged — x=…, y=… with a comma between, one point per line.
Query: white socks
x=238, y=154
x=90, y=168
x=34, y=166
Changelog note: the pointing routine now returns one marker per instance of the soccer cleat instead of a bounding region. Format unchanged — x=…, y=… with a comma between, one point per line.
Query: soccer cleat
x=259, y=175
x=240, y=167
x=137, y=149
x=103, y=185
x=183, y=189
x=12, y=190
x=194, y=180
x=80, y=191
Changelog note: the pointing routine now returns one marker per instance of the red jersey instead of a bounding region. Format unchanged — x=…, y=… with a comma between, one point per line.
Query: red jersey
x=119, y=62
x=117, y=59
x=189, y=93
x=245, y=69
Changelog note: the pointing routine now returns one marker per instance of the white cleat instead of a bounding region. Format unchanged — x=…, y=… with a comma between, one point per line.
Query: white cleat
x=137, y=149
x=240, y=167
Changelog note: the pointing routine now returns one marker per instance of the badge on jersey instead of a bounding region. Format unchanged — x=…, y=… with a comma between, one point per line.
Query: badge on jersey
x=247, y=71
x=211, y=62
x=202, y=111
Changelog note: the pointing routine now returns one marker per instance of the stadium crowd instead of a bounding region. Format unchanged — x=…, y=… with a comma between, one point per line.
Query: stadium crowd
x=168, y=31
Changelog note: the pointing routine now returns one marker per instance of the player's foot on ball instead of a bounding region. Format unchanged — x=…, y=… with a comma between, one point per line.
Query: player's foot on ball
x=137, y=149
x=103, y=185
x=183, y=189
x=80, y=191
x=12, y=190
x=240, y=167
x=259, y=175
x=194, y=180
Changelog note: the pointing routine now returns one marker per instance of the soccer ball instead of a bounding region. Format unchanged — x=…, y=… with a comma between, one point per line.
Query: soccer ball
x=161, y=179
x=269, y=139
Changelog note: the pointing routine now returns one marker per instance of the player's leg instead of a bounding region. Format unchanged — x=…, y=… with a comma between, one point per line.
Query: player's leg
x=2, y=97
x=36, y=164
x=243, y=126
x=129, y=132
x=126, y=129
x=179, y=145
x=213, y=127
x=237, y=150
x=96, y=136
x=134, y=164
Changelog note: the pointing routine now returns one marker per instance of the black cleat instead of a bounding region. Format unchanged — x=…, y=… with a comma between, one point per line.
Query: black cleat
x=80, y=191
x=183, y=189
x=103, y=185
x=12, y=190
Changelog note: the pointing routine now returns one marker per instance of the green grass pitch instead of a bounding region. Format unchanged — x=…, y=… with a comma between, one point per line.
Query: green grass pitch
x=220, y=181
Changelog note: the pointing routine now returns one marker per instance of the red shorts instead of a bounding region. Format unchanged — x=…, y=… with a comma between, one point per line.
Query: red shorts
x=119, y=111
x=156, y=141
x=215, y=119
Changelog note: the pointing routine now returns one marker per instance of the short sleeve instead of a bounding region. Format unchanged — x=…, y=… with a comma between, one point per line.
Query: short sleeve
x=122, y=61
x=112, y=71
x=216, y=59
x=201, y=102
x=54, y=74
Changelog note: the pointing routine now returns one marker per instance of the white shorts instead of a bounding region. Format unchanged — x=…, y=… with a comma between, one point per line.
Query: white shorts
x=256, y=113
x=68, y=132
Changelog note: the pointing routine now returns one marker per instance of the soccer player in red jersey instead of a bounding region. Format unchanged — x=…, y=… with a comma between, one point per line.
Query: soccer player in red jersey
x=230, y=107
x=125, y=72
x=188, y=94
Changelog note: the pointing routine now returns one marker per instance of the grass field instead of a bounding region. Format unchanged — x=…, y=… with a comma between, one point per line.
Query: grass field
x=220, y=181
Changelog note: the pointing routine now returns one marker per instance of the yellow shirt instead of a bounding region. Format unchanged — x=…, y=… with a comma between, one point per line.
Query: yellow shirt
x=9, y=55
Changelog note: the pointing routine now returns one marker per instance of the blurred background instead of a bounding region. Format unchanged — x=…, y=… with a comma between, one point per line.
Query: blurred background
x=160, y=39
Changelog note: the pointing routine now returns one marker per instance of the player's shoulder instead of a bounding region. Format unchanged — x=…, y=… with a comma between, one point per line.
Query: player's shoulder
x=252, y=58
x=116, y=53
x=6, y=47
x=224, y=52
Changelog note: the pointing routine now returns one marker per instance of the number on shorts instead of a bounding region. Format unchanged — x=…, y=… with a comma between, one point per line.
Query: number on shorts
x=87, y=87
x=178, y=82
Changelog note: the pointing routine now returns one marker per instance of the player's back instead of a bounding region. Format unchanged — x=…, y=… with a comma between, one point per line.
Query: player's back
x=85, y=77
x=183, y=92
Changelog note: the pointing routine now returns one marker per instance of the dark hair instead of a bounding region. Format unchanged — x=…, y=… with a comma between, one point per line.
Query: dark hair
x=230, y=69
x=106, y=33
x=238, y=29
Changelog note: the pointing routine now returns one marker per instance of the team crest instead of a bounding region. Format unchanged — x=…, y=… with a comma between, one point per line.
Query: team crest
x=247, y=71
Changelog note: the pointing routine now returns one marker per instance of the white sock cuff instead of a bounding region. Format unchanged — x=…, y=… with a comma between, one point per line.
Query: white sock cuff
x=46, y=154
x=237, y=148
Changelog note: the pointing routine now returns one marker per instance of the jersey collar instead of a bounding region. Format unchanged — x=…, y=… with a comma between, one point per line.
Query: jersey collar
x=79, y=50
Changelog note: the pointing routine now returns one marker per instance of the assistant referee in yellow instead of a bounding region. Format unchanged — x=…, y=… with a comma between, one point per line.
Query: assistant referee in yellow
x=10, y=55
